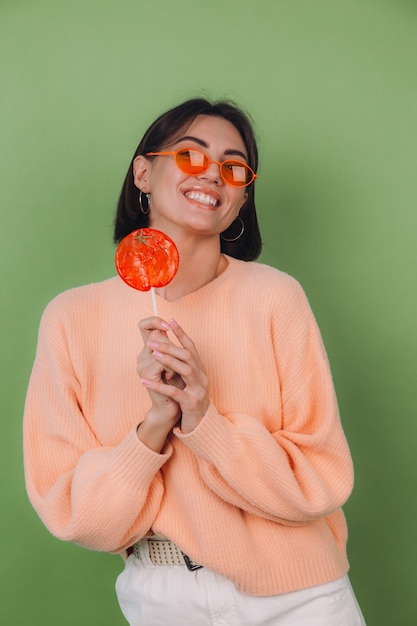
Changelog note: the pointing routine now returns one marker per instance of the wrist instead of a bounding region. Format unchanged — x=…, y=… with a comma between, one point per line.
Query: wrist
x=189, y=423
x=153, y=433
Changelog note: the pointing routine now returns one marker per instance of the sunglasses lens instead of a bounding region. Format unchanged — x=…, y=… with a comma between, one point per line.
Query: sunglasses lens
x=192, y=161
x=236, y=173
x=195, y=162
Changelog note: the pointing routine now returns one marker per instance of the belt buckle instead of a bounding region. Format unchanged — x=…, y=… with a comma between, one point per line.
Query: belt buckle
x=191, y=566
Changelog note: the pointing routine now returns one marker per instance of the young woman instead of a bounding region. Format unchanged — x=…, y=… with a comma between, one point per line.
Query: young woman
x=207, y=449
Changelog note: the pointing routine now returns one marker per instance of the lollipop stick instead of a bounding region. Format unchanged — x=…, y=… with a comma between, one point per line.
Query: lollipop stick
x=155, y=308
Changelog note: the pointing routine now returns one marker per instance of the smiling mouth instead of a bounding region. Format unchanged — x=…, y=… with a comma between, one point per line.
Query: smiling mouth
x=204, y=198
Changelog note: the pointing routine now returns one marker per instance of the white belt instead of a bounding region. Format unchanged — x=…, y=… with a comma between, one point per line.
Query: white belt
x=164, y=552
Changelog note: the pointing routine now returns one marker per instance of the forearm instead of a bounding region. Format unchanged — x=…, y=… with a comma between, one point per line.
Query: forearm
x=105, y=497
x=285, y=478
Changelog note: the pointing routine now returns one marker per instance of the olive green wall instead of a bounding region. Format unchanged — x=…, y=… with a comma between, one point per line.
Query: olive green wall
x=331, y=85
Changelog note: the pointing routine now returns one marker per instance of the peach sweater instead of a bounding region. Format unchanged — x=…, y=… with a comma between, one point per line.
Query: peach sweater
x=254, y=492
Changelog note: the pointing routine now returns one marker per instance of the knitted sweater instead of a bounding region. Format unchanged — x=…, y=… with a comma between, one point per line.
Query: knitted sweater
x=254, y=492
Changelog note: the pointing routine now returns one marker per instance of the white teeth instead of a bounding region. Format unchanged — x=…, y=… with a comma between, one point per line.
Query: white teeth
x=202, y=197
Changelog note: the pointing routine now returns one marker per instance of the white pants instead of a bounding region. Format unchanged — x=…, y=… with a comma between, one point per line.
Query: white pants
x=171, y=595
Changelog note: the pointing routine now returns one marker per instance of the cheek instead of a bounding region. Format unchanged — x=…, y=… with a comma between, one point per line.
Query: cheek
x=241, y=198
x=164, y=175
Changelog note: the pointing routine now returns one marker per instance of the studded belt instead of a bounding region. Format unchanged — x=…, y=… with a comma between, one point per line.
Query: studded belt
x=164, y=552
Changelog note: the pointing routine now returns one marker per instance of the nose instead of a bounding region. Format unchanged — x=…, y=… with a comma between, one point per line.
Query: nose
x=212, y=173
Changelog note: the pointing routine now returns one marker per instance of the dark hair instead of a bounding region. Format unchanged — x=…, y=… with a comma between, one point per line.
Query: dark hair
x=165, y=129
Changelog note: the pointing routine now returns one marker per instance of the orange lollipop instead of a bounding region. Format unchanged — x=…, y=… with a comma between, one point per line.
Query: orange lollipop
x=147, y=258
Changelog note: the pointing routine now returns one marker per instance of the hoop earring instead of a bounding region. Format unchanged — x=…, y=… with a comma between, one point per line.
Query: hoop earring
x=242, y=230
x=142, y=208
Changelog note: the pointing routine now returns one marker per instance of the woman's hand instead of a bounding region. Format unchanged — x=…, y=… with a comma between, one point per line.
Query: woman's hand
x=187, y=385
x=155, y=329
x=165, y=412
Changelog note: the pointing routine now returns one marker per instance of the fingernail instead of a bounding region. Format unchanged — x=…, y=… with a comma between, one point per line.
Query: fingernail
x=165, y=326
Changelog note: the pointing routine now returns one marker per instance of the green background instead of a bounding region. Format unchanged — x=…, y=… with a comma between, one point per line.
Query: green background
x=331, y=86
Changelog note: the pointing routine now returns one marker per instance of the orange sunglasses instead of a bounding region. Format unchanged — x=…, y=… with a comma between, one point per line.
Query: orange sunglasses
x=194, y=162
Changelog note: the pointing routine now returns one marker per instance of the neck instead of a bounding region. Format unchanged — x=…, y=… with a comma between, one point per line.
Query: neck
x=199, y=265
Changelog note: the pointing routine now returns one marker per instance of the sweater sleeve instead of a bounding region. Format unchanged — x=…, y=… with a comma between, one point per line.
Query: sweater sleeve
x=100, y=497
x=301, y=471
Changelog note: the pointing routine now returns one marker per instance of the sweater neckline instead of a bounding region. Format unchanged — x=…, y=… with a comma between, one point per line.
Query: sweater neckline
x=196, y=296
x=203, y=293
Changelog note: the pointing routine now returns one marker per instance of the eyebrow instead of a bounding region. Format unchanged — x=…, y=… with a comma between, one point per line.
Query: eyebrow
x=204, y=144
